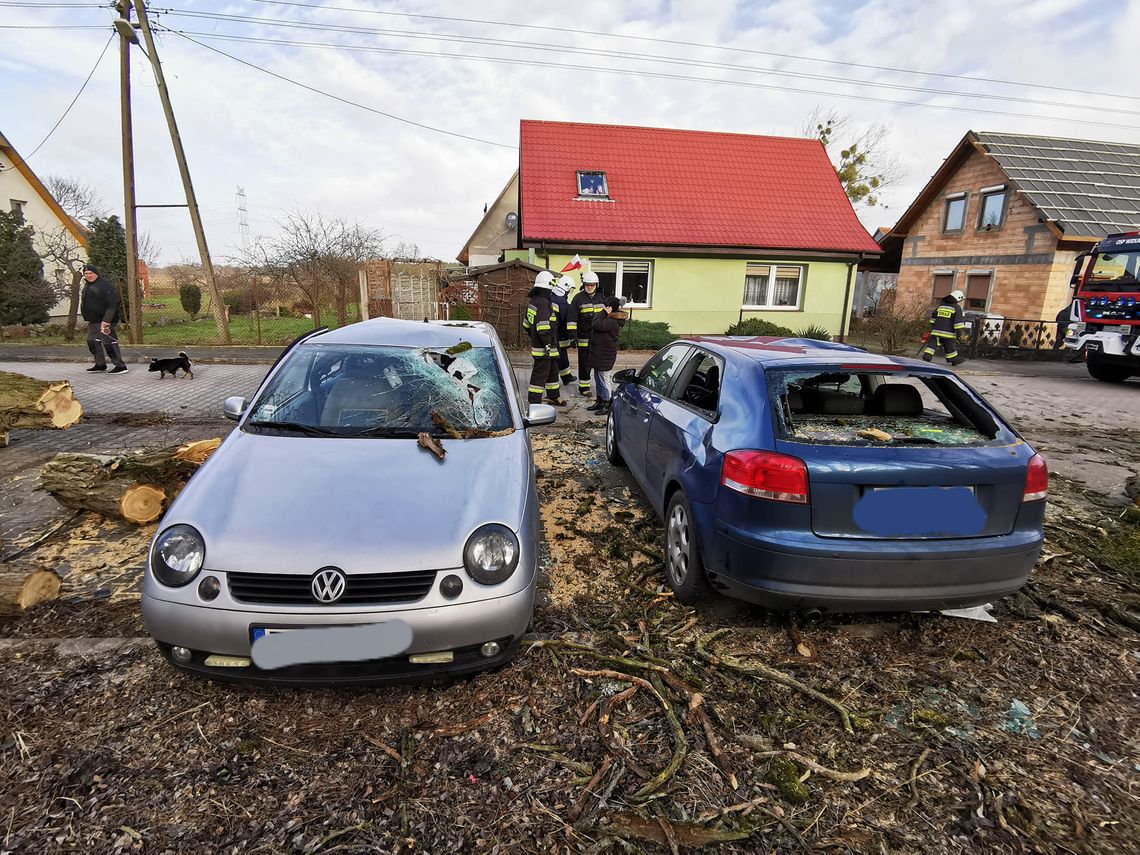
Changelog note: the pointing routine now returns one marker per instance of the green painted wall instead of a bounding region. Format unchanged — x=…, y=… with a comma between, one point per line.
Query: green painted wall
x=704, y=295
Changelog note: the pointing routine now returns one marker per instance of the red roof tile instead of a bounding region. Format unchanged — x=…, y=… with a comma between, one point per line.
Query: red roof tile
x=684, y=188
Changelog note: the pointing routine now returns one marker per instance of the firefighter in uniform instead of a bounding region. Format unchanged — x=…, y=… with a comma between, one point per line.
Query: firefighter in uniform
x=541, y=324
x=565, y=339
x=585, y=306
x=946, y=323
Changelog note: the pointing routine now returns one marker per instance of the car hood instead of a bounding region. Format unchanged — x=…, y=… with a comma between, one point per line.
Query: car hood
x=285, y=504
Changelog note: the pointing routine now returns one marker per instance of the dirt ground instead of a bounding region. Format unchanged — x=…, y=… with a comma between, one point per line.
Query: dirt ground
x=627, y=723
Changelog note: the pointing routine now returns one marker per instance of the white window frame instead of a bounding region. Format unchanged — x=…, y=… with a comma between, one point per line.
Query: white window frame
x=605, y=183
x=772, y=267
x=618, y=273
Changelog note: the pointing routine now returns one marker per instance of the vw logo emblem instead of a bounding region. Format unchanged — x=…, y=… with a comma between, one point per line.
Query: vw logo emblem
x=328, y=585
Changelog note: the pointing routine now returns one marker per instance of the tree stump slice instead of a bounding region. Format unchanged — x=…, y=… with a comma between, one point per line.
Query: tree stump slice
x=142, y=503
x=35, y=404
x=22, y=587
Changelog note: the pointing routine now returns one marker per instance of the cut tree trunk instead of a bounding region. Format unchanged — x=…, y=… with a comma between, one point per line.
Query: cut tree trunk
x=136, y=486
x=28, y=403
x=23, y=586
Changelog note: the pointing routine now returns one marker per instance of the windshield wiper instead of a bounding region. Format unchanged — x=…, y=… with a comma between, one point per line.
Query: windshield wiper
x=293, y=427
x=389, y=432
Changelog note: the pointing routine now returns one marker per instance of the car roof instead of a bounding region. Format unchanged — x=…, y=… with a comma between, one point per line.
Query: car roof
x=778, y=352
x=400, y=333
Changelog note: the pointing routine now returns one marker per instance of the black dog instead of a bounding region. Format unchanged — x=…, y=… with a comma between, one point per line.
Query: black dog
x=172, y=365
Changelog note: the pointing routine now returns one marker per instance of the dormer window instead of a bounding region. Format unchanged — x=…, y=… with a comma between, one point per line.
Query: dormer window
x=592, y=185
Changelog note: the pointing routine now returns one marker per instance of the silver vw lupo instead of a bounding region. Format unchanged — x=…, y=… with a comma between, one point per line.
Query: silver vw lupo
x=323, y=543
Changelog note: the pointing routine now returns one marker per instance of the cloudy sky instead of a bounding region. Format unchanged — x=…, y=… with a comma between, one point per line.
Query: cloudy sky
x=704, y=64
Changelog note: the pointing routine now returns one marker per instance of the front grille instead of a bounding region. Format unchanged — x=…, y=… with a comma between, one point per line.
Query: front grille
x=360, y=589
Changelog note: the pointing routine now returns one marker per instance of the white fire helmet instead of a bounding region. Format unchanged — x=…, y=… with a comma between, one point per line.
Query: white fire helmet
x=545, y=279
x=589, y=278
x=957, y=295
x=564, y=286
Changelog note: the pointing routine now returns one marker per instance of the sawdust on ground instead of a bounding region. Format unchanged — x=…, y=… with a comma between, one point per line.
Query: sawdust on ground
x=584, y=520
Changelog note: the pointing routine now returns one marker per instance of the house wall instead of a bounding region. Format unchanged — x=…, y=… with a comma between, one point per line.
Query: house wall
x=1021, y=254
x=493, y=237
x=37, y=214
x=697, y=295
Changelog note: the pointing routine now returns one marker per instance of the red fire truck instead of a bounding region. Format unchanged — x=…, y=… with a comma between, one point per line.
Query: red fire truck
x=1106, y=310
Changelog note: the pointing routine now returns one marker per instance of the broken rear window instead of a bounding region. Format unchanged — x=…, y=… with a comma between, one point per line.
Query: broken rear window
x=343, y=390
x=838, y=407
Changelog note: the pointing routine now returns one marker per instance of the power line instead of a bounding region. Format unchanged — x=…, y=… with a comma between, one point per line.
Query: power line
x=617, y=71
x=636, y=56
x=681, y=43
x=338, y=97
x=52, y=27
x=59, y=121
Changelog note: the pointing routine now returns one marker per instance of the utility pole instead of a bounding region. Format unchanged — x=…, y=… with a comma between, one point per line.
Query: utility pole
x=134, y=297
x=220, y=317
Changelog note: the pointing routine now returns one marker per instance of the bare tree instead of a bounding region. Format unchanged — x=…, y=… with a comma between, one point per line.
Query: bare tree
x=318, y=254
x=63, y=257
x=865, y=165
x=149, y=248
x=81, y=201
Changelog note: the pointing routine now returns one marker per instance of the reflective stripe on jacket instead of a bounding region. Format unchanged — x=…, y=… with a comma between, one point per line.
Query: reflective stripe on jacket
x=540, y=321
x=947, y=320
x=583, y=309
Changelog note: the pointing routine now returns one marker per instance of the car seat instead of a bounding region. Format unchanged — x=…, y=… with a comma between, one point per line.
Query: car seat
x=896, y=399
x=364, y=396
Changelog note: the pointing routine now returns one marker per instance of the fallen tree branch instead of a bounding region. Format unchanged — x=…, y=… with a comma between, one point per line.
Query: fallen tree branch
x=823, y=771
x=914, y=799
x=573, y=647
x=766, y=673
x=580, y=805
x=680, y=746
x=631, y=825
x=557, y=756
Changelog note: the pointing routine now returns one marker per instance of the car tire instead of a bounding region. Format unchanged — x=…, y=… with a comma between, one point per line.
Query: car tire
x=612, y=453
x=1104, y=371
x=684, y=570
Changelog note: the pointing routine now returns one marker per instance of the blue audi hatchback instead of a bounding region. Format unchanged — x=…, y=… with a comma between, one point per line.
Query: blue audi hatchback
x=809, y=475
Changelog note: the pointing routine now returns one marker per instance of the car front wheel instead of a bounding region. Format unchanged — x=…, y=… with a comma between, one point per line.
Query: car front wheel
x=612, y=453
x=684, y=571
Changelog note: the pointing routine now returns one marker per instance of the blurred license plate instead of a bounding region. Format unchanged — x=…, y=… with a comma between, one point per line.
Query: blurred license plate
x=280, y=647
x=920, y=512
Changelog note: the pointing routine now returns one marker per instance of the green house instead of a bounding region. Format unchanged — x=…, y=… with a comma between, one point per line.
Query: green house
x=694, y=228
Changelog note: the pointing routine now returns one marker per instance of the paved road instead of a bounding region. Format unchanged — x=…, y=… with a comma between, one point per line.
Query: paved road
x=1089, y=431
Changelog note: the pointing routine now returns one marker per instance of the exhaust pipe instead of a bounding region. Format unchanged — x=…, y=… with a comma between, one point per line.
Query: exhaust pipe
x=810, y=615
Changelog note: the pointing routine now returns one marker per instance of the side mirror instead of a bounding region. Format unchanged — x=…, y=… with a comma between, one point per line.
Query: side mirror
x=234, y=407
x=1078, y=264
x=539, y=414
x=626, y=375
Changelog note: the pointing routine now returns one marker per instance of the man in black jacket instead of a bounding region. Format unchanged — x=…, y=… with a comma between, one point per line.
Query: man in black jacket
x=604, y=332
x=99, y=307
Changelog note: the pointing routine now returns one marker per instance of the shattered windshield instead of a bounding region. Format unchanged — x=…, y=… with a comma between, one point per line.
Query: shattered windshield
x=364, y=390
x=852, y=407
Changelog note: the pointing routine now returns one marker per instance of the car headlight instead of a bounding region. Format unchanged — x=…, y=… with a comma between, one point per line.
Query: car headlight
x=491, y=554
x=177, y=555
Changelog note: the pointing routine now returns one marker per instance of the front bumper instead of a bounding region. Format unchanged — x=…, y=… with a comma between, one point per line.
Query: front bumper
x=461, y=628
x=794, y=576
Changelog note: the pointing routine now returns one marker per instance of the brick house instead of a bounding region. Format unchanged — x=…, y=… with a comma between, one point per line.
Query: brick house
x=695, y=228
x=1004, y=217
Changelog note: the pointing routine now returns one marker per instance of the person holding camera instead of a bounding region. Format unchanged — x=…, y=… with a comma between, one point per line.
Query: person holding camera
x=604, y=333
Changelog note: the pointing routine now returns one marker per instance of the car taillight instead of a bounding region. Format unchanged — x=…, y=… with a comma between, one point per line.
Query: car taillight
x=1036, y=480
x=766, y=475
